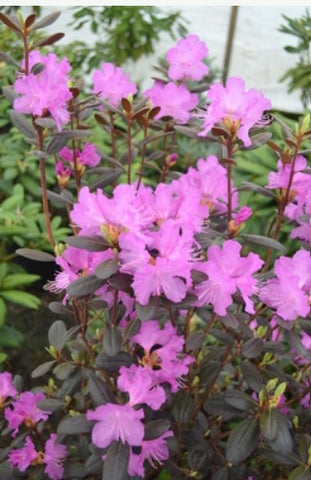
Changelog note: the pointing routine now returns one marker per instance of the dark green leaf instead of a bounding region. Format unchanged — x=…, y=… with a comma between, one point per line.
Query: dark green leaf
x=251, y=375
x=64, y=197
x=183, y=407
x=132, y=328
x=108, y=178
x=269, y=424
x=84, y=286
x=239, y=400
x=209, y=372
x=59, y=140
x=252, y=348
x=74, y=425
x=121, y=281
x=20, y=122
x=51, y=404
x=92, y=244
x=242, y=441
x=57, y=334
x=259, y=139
x=63, y=370
x=35, y=255
x=42, y=369
x=147, y=312
x=99, y=390
x=116, y=461
x=266, y=192
x=276, y=457
x=112, y=364
x=283, y=443
x=105, y=269
x=112, y=340
x=221, y=474
x=264, y=241
x=156, y=428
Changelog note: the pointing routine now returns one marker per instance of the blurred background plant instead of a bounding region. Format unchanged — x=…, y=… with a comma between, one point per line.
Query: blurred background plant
x=299, y=76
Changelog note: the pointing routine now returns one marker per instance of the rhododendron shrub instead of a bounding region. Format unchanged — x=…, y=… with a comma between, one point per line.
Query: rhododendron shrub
x=181, y=344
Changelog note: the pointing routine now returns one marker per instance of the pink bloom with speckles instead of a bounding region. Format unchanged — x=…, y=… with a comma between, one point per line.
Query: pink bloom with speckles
x=154, y=451
x=238, y=109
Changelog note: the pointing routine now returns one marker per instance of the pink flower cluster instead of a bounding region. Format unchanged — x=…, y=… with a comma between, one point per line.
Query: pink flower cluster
x=151, y=234
x=160, y=361
x=299, y=196
x=289, y=293
x=46, y=92
x=175, y=100
x=53, y=456
x=235, y=108
x=111, y=84
x=24, y=410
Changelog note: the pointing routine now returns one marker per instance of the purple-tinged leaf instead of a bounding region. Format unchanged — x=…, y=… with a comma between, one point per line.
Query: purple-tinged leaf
x=116, y=461
x=84, y=286
x=36, y=255
x=242, y=441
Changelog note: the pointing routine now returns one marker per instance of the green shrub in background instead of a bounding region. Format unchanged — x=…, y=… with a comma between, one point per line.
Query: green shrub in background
x=300, y=75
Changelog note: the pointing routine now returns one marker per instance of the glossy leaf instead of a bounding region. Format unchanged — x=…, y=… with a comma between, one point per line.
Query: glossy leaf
x=84, y=286
x=242, y=441
x=106, y=269
x=57, y=335
x=116, y=461
x=92, y=244
x=74, y=425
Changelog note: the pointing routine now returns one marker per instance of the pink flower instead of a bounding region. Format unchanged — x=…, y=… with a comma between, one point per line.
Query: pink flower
x=154, y=451
x=112, y=84
x=116, y=422
x=63, y=174
x=242, y=215
x=54, y=455
x=289, y=292
x=46, y=91
x=162, y=353
x=87, y=157
x=237, y=108
x=185, y=59
x=227, y=272
x=175, y=100
x=138, y=383
x=21, y=458
x=210, y=180
x=25, y=411
x=7, y=388
x=163, y=266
